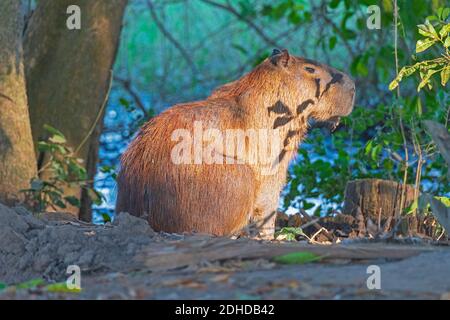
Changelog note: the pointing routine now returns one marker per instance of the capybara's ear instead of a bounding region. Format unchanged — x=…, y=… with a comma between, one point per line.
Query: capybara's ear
x=275, y=52
x=280, y=57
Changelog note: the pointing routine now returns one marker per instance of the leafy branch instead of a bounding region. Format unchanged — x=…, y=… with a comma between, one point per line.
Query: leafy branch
x=434, y=35
x=63, y=170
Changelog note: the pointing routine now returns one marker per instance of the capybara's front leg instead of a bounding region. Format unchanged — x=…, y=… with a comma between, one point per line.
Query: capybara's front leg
x=266, y=225
x=264, y=215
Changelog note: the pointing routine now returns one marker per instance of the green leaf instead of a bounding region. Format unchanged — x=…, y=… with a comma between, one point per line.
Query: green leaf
x=124, y=102
x=442, y=13
x=53, y=131
x=444, y=200
x=95, y=196
x=431, y=29
x=404, y=72
x=332, y=42
x=308, y=205
x=368, y=147
x=394, y=84
x=426, y=79
x=445, y=75
x=76, y=169
x=361, y=68
x=334, y=3
x=445, y=13
x=57, y=139
x=30, y=284
x=59, y=148
x=106, y=169
x=423, y=45
x=290, y=233
x=297, y=258
x=294, y=18
x=444, y=31
x=413, y=207
x=375, y=152
x=61, y=287
x=447, y=42
x=106, y=218
x=408, y=71
x=423, y=30
x=45, y=147
x=59, y=203
x=3, y=286
x=73, y=201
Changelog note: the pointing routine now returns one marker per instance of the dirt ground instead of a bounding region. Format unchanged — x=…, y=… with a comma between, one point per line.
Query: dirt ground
x=128, y=260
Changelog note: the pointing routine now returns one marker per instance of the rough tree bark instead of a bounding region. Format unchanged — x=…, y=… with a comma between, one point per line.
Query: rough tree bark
x=68, y=74
x=17, y=159
x=377, y=200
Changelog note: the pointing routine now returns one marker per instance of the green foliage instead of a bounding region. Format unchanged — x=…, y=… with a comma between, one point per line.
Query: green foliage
x=63, y=170
x=439, y=207
x=297, y=258
x=132, y=110
x=423, y=204
x=106, y=217
x=437, y=34
x=436, y=31
x=289, y=233
x=110, y=170
x=61, y=287
x=371, y=142
x=293, y=11
x=31, y=284
x=444, y=200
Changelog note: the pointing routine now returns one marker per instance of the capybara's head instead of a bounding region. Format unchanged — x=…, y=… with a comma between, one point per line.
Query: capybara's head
x=322, y=93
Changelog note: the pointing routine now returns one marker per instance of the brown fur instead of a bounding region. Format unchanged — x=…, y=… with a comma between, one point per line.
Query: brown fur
x=282, y=93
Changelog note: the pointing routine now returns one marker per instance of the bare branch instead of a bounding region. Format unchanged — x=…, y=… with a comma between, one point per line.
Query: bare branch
x=249, y=22
x=339, y=32
x=169, y=37
x=126, y=84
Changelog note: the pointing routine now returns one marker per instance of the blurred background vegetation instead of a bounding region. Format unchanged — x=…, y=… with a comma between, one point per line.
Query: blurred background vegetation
x=179, y=50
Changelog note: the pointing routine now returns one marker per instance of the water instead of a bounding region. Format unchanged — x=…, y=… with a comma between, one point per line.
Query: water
x=117, y=133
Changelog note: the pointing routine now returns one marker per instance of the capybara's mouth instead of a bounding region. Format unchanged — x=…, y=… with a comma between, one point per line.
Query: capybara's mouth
x=333, y=123
x=330, y=124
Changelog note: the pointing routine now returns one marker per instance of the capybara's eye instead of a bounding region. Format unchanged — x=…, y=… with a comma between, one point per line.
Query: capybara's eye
x=310, y=70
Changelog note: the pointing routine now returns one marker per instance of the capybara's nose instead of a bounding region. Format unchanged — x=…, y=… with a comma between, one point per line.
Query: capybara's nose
x=349, y=84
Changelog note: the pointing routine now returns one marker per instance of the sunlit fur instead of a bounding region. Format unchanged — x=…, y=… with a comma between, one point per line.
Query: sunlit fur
x=222, y=198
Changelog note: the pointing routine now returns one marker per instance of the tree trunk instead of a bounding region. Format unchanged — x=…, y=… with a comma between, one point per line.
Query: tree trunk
x=68, y=74
x=376, y=200
x=17, y=159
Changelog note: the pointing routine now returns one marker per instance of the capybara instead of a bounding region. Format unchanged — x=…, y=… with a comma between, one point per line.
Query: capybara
x=213, y=166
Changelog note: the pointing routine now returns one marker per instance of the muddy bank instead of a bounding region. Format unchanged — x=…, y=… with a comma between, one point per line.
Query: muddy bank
x=128, y=260
x=32, y=247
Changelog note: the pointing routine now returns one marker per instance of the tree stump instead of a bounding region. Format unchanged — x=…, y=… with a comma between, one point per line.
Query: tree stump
x=375, y=203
